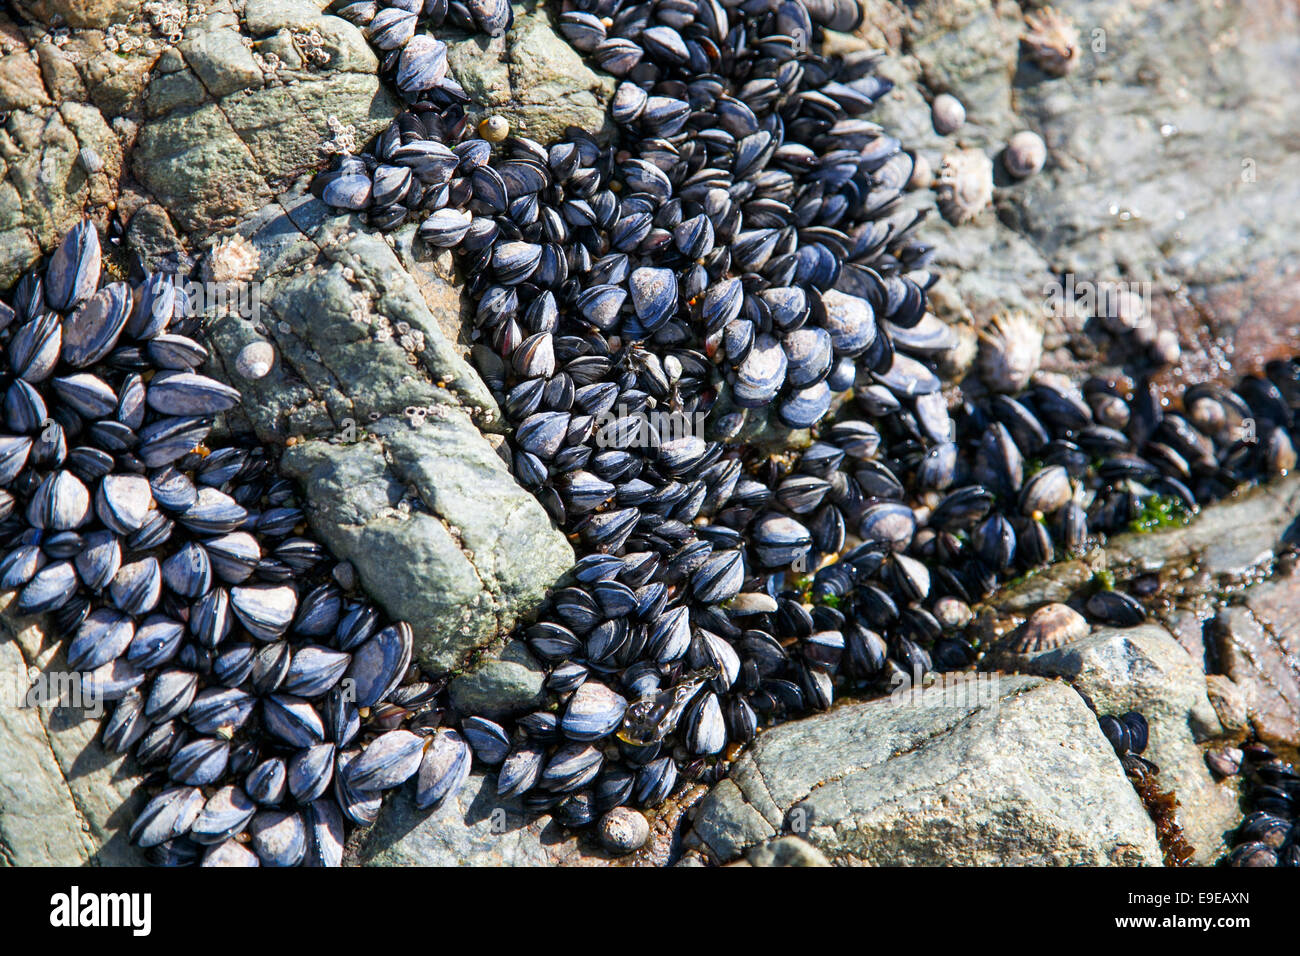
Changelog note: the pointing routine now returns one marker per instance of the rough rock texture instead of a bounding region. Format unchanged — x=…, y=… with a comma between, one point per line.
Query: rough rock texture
x=64, y=801
x=474, y=829
x=1145, y=669
x=386, y=420
x=1230, y=543
x=44, y=188
x=1257, y=644
x=514, y=682
x=213, y=112
x=1184, y=145
x=1019, y=776
x=532, y=77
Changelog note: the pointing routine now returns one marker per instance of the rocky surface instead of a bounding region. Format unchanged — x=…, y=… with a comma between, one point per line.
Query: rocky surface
x=63, y=800
x=174, y=122
x=475, y=828
x=1166, y=166
x=1021, y=775
x=1257, y=644
x=386, y=421
x=1145, y=669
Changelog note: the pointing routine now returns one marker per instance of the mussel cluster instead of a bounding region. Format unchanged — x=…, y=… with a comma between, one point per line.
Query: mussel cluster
x=236, y=665
x=740, y=252
x=744, y=234
x=1270, y=834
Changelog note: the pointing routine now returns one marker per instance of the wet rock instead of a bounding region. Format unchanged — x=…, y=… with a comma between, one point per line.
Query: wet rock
x=1257, y=644
x=1145, y=669
x=1102, y=209
x=1021, y=774
x=1231, y=703
x=1229, y=540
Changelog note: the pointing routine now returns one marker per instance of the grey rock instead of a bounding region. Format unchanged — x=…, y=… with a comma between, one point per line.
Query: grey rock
x=474, y=828
x=1105, y=207
x=388, y=419
x=513, y=682
x=1229, y=541
x=461, y=559
x=1145, y=669
x=224, y=136
x=532, y=77
x=1021, y=775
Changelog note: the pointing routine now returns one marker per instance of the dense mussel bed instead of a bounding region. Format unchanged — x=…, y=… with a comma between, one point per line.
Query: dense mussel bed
x=741, y=251
x=738, y=255
x=236, y=660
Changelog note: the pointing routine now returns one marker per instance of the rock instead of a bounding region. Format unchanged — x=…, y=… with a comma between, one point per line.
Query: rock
x=1230, y=540
x=386, y=418
x=64, y=801
x=1013, y=771
x=787, y=851
x=1230, y=702
x=1103, y=209
x=78, y=13
x=437, y=530
x=1257, y=644
x=1145, y=669
x=226, y=132
x=513, y=683
x=475, y=828
x=622, y=830
x=532, y=77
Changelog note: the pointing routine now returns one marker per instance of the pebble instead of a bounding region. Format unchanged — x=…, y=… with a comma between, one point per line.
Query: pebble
x=623, y=830
x=948, y=114
x=1025, y=155
x=255, y=360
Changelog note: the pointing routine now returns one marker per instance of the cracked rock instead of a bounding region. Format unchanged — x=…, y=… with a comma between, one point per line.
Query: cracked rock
x=475, y=828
